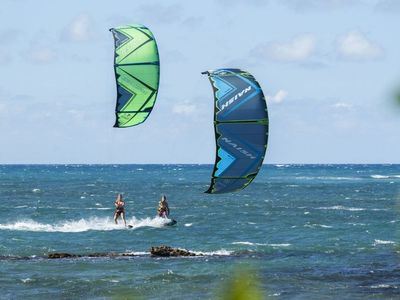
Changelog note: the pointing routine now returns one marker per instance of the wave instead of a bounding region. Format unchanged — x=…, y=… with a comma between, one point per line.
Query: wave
x=64, y=207
x=327, y=178
x=377, y=176
x=261, y=244
x=381, y=242
x=383, y=286
x=317, y=225
x=99, y=224
x=340, y=207
x=221, y=252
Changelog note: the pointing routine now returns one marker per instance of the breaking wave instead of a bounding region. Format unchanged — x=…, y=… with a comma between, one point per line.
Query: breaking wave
x=377, y=176
x=99, y=224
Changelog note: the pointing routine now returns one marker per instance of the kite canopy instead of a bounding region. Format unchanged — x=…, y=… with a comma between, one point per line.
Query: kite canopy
x=241, y=129
x=137, y=72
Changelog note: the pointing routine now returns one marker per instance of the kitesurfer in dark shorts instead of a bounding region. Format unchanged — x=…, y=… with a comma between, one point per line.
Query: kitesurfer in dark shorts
x=163, y=209
x=119, y=209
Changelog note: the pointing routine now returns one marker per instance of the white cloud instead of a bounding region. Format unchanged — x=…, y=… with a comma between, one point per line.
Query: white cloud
x=357, y=47
x=299, y=49
x=392, y=6
x=230, y=3
x=342, y=105
x=184, y=108
x=193, y=22
x=42, y=55
x=162, y=13
x=5, y=57
x=278, y=97
x=305, y=5
x=79, y=29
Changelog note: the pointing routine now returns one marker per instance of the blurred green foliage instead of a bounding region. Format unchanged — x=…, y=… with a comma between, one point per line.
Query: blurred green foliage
x=397, y=98
x=245, y=284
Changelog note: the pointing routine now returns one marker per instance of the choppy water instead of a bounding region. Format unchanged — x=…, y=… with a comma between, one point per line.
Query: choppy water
x=308, y=230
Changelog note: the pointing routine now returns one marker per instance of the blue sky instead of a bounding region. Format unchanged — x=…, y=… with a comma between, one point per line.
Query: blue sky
x=328, y=68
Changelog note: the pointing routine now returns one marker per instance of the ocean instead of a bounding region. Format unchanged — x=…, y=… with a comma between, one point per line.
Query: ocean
x=304, y=231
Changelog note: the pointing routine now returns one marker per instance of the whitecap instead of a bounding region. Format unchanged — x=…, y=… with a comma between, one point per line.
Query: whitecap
x=243, y=243
x=99, y=224
x=188, y=224
x=36, y=190
x=137, y=253
x=317, y=225
x=340, y=207
x=382, y=286
x=221, y=252
x=379, y=176
x=381, y=242
x=261, y=244
x=279, y=245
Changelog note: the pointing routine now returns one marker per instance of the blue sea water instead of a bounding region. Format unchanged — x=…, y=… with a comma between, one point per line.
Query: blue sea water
x=307, y=231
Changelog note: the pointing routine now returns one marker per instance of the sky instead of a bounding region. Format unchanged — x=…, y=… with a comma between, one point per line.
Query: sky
x=328, y=68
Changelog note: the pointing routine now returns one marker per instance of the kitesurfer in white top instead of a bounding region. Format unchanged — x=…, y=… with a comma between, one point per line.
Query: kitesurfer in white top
x=119, y=209
x=163, y=209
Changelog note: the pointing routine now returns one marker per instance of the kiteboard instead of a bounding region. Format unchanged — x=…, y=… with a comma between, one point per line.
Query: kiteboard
x=170, y=222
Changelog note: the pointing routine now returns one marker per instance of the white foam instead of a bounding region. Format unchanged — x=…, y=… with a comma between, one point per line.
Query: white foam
x=243, y=243
x=340, y=207
x=137, y=253
x=280, y=245
x=317, y=225
x=100, y=224
x=188, y=224
x=261, y=244
x=382, y=286
x=379, y=176
x=36, y=190
x=221, y=252
x=381, y=242
x=327, y=178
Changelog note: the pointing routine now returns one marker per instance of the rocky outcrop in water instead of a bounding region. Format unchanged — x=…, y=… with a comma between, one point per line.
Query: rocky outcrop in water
x=70, y=255
x=166, y=251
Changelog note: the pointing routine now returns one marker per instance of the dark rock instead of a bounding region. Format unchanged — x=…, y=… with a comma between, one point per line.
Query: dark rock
x=95, y=254
x=61, y=255
x=166, y=251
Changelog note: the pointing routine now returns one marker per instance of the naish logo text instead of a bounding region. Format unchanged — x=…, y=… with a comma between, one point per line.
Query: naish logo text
x=234, y=98
x=240, y=149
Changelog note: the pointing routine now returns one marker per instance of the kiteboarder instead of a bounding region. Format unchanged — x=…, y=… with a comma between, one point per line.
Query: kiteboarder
x=163, y=209
x=119, y=209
